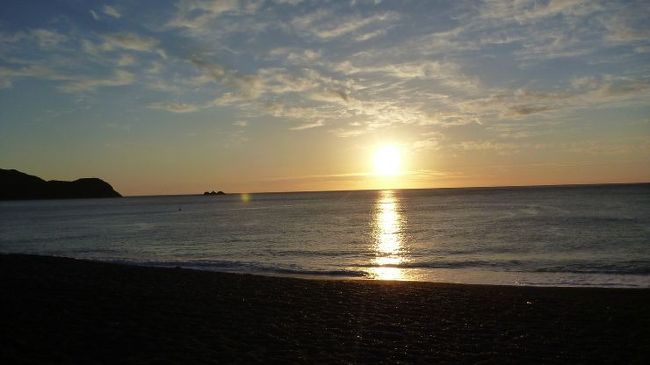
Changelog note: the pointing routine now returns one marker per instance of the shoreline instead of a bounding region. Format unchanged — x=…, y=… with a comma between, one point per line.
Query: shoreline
x=367, y=276
x=77, y=311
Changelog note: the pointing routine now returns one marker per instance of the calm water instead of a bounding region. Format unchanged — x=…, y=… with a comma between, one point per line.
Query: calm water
x=577, y=236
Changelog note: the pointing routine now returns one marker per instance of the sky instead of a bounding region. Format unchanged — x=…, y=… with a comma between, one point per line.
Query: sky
x=183, y=96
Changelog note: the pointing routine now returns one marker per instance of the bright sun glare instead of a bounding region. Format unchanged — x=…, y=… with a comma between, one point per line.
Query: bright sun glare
x=387, y=161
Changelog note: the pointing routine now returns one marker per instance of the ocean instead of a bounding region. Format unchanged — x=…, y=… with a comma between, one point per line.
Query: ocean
x=595, y=235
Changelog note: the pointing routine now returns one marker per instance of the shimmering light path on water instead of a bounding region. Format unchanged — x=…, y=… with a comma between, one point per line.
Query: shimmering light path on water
x=388, y=231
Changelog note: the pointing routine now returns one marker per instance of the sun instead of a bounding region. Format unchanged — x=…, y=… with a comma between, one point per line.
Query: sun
x=387, y=161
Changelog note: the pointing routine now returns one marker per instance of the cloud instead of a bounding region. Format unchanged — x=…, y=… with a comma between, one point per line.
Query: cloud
x=47, y=38
x=370, y=35
x=524, y=11
x=122, y=41
x=428, y=141
x=309, y=20
x=246, y=87
x=281, y=110
x=581, y=93
x=324, y=25
x=155, y=68
x=642, y=49
x=129, y=41
x=28, y=71
x=249, y=86
x=210, y=6
x=349, y=132
x=296, y=56
x=125, y=60
x=633, y=145
x=622, y=87
x=197, y=14
x=527, y=109
x=43, y=38
x=281, y=81
x=111, y=11
x=229, y=98
x=536, y=31
x=316, y=124
x=32, y=71
x=320, y=178
x=425, y=144
x=407, y=70
x=209, y=69
x=119, y=78
x=482, y=145
x=174, y=107
x=288, y=2
x=352, y=24
x=240, y=123
x=330, y=96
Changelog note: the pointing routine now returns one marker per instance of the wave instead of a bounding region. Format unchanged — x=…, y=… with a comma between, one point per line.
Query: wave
x=244, y=267
x=341, y=273
x=362, y=270
x=614, y=268
x=606, y=269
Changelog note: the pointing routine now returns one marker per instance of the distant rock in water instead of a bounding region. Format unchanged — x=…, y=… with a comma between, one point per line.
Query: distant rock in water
x=15, y=185
x=214, y=193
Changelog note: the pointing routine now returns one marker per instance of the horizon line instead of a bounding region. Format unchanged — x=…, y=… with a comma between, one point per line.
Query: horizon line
x=437, y=188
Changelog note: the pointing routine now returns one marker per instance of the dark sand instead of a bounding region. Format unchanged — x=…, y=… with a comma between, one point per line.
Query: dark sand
x=64, y=310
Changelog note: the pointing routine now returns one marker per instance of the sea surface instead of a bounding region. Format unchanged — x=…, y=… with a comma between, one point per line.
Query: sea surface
x=548, y=236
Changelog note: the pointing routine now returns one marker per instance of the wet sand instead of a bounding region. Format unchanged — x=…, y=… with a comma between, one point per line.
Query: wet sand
x=70, y=311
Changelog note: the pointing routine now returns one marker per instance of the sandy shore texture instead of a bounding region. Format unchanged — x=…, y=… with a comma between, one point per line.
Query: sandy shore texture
x=57, y=310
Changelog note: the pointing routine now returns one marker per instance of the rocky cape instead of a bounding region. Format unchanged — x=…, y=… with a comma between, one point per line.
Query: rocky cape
x=16, y=185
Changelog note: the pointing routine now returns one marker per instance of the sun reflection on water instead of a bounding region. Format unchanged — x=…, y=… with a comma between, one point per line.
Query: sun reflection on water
x=388, y=245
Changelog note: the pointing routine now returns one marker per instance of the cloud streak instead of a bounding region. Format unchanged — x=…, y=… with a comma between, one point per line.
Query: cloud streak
x=174, y=107
x=119, y=78
x=316, y=124
x=111, y=11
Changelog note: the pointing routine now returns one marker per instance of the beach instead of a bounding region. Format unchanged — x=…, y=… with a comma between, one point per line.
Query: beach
x=74, y=311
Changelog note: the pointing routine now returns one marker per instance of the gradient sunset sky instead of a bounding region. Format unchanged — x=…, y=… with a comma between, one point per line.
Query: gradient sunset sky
x=183, y=96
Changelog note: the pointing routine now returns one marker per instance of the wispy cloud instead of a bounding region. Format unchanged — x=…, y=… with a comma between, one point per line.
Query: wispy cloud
x=129, y=41
x=323, y=25
x=119, y=78
x=7, y=75
x=125, y=60
x=240, y=123
x=174, y=107
x=316, y=124
x=111, y=11
x=43, y=38
x=197, y=14
x=524, y=11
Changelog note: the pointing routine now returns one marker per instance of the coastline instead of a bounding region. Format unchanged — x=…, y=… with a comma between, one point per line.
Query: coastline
x=439, y=276
x=76, y=311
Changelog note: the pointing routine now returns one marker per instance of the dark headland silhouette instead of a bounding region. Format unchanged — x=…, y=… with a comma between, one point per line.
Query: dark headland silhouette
x=214, y=193
x=16, y=185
